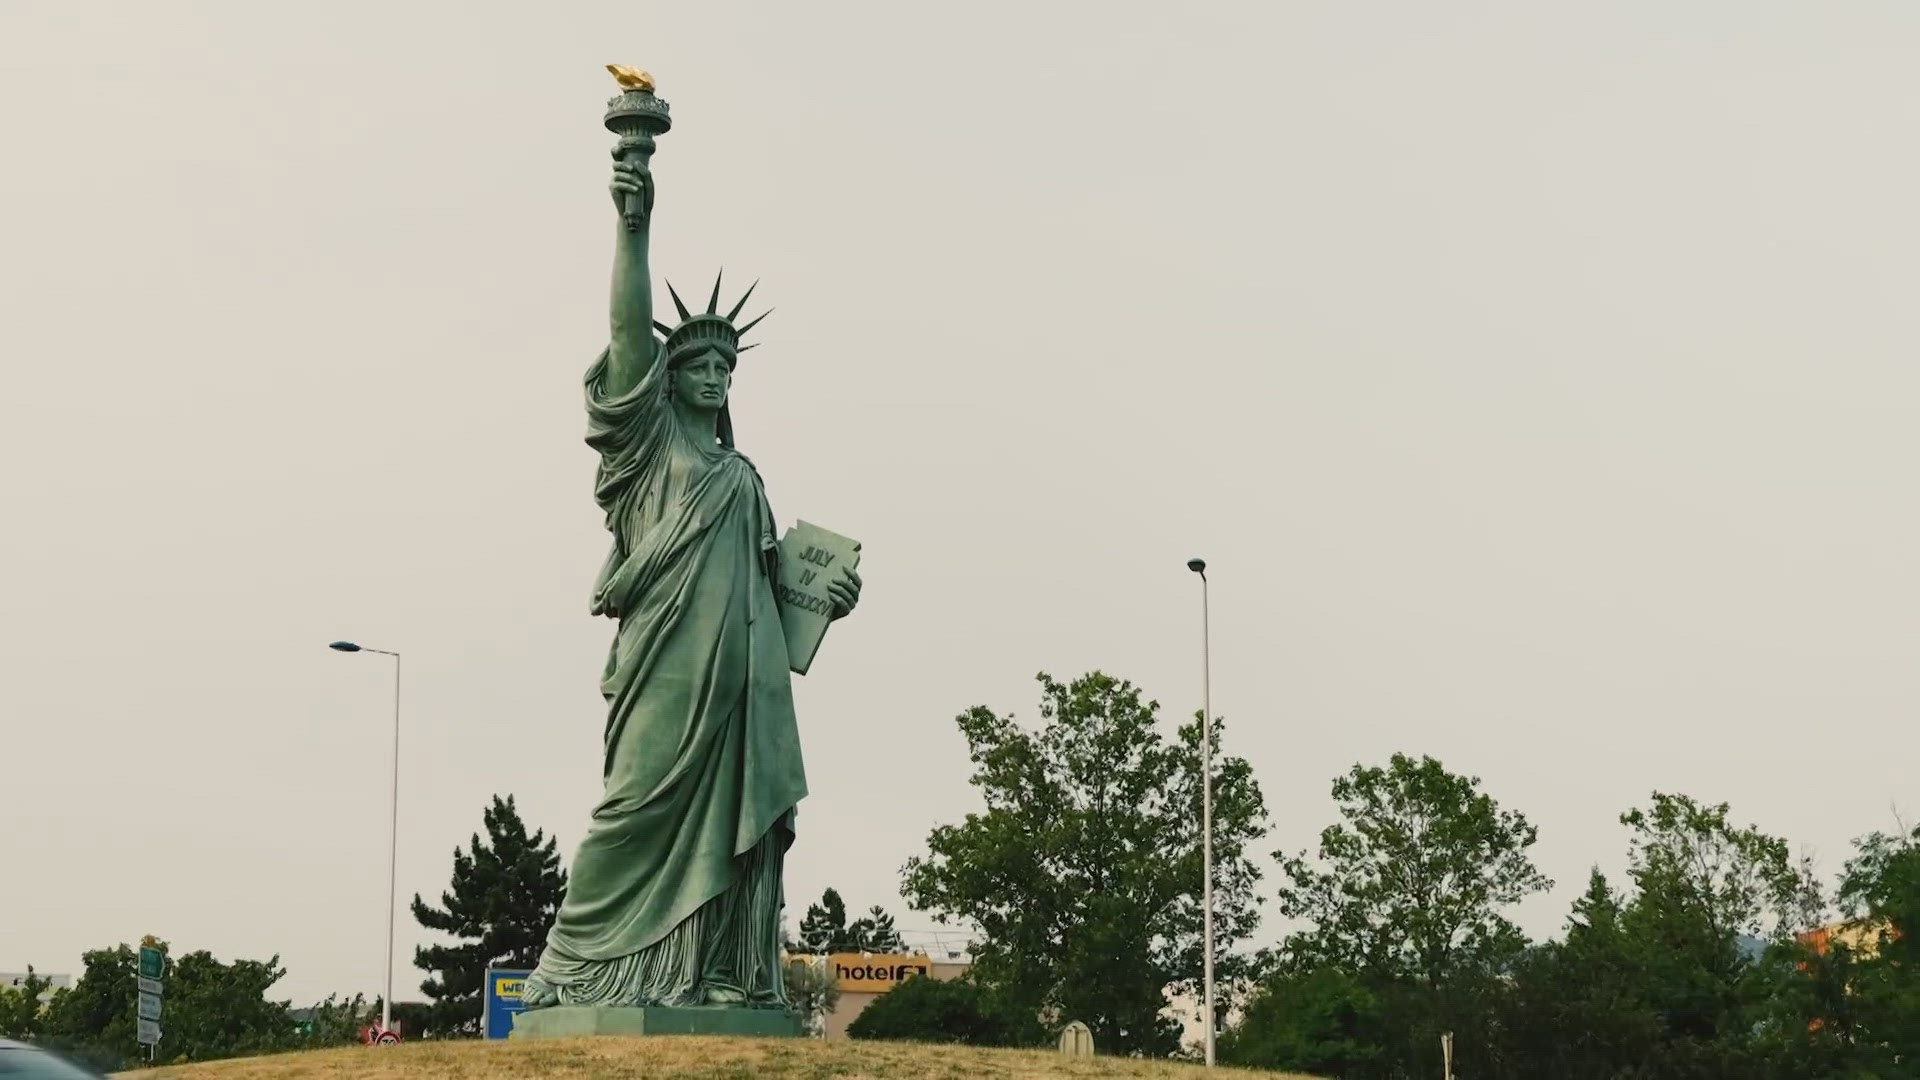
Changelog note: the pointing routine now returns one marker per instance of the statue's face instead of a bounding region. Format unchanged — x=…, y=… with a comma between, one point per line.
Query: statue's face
x=702, y=382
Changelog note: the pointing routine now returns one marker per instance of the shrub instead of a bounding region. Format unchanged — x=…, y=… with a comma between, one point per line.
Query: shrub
x=948, y=1011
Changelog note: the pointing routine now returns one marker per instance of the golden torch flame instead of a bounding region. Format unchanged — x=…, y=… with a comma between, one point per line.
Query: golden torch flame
x=631, y=78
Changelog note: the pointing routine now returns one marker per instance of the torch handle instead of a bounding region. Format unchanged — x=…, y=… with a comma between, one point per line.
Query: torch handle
x=635, y=212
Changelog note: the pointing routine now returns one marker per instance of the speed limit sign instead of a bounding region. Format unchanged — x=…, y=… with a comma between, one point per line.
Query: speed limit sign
x=375, y=1035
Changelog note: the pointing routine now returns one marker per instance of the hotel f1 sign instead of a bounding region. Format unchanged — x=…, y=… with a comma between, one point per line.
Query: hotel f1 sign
x=877, y=973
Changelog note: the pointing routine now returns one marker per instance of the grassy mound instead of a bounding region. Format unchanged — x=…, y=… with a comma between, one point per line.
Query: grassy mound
x=679, y=1057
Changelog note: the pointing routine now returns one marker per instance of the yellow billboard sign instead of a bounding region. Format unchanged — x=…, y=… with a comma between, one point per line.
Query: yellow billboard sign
x=877, y=973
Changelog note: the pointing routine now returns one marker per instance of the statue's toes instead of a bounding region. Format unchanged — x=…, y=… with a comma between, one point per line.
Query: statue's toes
x=537, y=993
x=724, y=995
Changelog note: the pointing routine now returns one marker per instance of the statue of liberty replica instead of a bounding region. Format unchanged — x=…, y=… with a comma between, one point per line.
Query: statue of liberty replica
x=674, y=901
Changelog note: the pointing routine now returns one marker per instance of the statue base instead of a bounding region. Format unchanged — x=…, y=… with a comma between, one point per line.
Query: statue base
x=576, y=1021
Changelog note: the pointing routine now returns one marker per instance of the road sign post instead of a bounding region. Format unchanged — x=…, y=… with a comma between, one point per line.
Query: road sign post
x=150, y=987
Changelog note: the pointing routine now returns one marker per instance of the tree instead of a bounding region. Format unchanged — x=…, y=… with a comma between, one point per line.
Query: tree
x=874, y=932
x=1880, y=893
x=1694, y=974
x=216, y=1010
x=213, y=1010
x=1412, y=882
x=21, y=1008
x=1710, y=897
x=948, y=1011
x=1735, y=881
x=825, y=929
x=1575, y=1008
x=813, y=990
x=1320, y=1021
x=94, y=1018
x=1083, y=872
x=504, y=895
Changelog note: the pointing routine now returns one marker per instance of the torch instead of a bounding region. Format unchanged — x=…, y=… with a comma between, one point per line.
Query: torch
x=636, y=116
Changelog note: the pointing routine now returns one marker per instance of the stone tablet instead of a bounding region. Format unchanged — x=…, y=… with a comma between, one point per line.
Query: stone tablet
x=810, y=556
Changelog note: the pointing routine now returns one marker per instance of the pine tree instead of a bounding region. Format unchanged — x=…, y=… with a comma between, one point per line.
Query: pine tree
x=503, y=897
x=824, y=929
x=874, y=932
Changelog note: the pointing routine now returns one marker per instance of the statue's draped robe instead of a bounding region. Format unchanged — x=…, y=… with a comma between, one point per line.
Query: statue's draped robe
x=675, y=891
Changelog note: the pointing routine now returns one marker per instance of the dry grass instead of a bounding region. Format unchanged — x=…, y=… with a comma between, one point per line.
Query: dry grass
x=681, y=1057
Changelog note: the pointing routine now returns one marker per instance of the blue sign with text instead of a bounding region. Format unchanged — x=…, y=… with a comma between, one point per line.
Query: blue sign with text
x=500, y=997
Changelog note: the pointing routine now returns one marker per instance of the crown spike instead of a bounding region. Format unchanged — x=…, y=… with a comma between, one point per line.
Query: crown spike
x=742, y=332
x=735, y=313
x=744, y=348
x=713, y=302
x=684, y=313
x=662, y=327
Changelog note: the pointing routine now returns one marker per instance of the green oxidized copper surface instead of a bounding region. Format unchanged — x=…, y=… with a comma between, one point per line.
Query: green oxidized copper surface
x=573, y=1021
x=674, y=896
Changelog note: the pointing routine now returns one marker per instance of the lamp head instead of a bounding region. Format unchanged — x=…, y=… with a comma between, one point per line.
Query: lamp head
x=344, y=646
x=1198, y=566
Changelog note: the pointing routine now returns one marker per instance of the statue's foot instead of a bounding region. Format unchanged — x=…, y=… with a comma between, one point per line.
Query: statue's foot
x=724, y=995
x=537, y=993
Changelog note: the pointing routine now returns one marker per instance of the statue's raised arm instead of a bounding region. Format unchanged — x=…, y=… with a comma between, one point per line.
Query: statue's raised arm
x=631, y=347
x=636, y=115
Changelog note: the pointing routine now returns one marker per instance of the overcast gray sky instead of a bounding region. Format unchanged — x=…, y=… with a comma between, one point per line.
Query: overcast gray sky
x=1537, y=378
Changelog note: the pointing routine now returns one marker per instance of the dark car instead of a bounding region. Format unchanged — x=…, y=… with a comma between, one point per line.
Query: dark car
x=18, y=1061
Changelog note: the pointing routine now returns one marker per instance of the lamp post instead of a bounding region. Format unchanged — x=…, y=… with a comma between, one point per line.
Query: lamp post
x=1199, y=566
x=393, y=842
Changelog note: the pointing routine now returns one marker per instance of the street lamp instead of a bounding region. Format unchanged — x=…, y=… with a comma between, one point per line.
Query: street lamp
x=393, y=845
x=1199, y=566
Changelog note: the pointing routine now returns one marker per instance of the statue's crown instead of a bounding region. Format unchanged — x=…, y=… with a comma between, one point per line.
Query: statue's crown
x=708, y=329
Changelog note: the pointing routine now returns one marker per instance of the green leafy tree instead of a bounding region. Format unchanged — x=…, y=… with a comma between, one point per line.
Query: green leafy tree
x=94, y=1018
x=216, y=1010
x=505, y=892
x=1710, y=897
x=1694, y=974
x=1813, y=1019
x=21, y=1008
x=1575, y=1008
x=1735, y=881
x=948, y=1011
x=1880, y=893
x=1083, y=871
x=213, y=1010
x=1411, y=884
x=1324, y=1021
